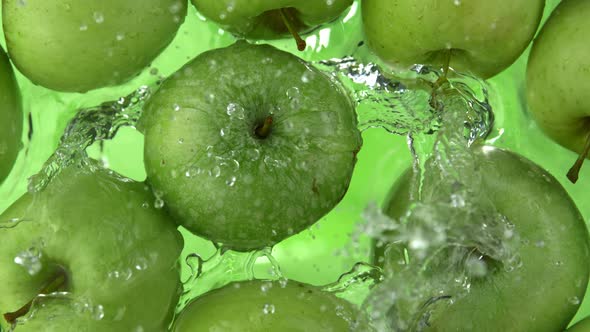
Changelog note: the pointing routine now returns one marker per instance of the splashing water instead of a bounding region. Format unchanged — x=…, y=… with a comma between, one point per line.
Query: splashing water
x=88, y=126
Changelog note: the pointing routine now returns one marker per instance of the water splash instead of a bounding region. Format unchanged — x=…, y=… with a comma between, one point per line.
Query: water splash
x=88, y=126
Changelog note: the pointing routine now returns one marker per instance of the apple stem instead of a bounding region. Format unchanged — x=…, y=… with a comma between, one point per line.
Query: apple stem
x=263, y=130
x=573, y=173
x=301, y=45
x=56, y=282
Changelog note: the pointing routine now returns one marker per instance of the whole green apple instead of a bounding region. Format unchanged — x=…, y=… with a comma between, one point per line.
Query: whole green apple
x=255, y=306
x=558, y=77
x=80, y=45
x=96, y=236
x=11, y=117
x=481, y=37
x=270, y=19
x=581, y=326
x=542, y=294
x=247, y=145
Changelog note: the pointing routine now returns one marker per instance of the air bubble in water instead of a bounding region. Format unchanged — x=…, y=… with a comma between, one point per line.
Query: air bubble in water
x=268, y=309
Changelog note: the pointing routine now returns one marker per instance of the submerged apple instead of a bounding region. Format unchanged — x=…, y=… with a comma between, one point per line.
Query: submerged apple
x=542, y=294
x=11, y=117
x=95, y=236
x=255, y=306
x=80, y=45
x=481, y=37
x=270, y=19
x=248, y=145
x=558, y=78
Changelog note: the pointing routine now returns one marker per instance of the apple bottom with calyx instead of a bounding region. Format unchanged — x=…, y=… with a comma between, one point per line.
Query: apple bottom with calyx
x=271, y=19
x=543, y=293
x=96, y=237
x=558, y=79
x=248, y=145
x=254, y=306
x=11, y=118
x=480, y=37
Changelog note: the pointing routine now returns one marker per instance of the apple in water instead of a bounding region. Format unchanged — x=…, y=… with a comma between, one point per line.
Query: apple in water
x=247, y=145
x=271, y=19
x=542, y=294
x=80, y=45
x=481, y=37
x=96, y=236
x=11, y=117
x=253, y=306
x=558, y=78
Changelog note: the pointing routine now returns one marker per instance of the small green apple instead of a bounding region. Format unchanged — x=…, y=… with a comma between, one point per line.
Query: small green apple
x=542, y=294
x=581, y=326
x=248, y=145
x=481, y=37
x=255, y=306
x=80, y=45
x=270, y=19
x=558, y=78
x=95, y=236
x=11, y=117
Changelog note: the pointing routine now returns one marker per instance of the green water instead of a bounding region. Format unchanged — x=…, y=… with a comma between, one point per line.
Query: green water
x=332, y=247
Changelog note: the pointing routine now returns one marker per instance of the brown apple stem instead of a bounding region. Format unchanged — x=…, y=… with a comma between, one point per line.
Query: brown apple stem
x=263, y=130
x=573, y=173
x=301, y=45
x=56, y=282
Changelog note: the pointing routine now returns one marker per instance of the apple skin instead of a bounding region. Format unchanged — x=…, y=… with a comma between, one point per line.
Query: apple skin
x=220, y=180
x=536, y=296
x=485, y=37
x=11, y=117
x=261, y=19
x=80, y=45
x=581, y=326
x=116, y=250
x=558, y=75
x=290, y=307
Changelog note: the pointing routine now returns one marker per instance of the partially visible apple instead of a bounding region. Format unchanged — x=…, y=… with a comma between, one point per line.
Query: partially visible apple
x=248, y=145
x=96, y=236
x=270, y=19
x=11, y=117
x=558, y=78
x=256, y=306
x=542, y=294
x=80, y=45
x=481, y=37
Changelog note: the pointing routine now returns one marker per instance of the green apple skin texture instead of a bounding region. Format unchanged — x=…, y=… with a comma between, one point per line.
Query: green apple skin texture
x=558, y=75
x=537, y=295
x=240, y=307
x=260, y=19
x=97, y=228
x=220, y=180
x=80, y=45
x=485, y=36
x=11, y=117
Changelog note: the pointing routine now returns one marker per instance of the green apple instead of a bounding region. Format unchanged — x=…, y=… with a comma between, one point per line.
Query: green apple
x=255, y=306
x=481, y=37
x=11, y=117
x=248, y=145
x=542, y=294
x=581, y=326
x=80, y=45
x=558, y=77
x=96, y=236
x=270, y=19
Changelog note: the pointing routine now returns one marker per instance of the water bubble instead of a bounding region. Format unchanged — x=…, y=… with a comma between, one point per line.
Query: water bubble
x=98, y=17
x=83, y=27
x=268, y=309
x=231, y=181
x=30, y=259
x=574, y=300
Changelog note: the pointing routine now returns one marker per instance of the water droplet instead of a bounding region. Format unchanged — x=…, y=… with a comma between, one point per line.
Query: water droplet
x=98, y=17
x=268, y=309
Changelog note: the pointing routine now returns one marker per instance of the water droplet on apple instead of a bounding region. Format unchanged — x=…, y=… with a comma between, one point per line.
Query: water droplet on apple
x=98, y=17
x=268, y=309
